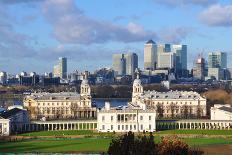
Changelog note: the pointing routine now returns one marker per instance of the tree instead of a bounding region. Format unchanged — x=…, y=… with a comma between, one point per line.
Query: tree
x=160, y=110
x=128, y=144
x=172, y=108
x=185, y=111
x=172, y=146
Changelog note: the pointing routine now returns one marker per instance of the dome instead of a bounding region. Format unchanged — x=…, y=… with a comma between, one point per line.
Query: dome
x=84, y=82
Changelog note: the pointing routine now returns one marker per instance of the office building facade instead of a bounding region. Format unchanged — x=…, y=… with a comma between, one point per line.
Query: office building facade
x=125, y=64
x=60, y=70
x=217, y=60
x=150, y=55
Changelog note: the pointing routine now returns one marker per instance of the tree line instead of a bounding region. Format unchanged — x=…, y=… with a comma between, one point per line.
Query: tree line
x=129, y=144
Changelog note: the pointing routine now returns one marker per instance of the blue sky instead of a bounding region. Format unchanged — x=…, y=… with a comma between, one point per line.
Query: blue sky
x=34, y=33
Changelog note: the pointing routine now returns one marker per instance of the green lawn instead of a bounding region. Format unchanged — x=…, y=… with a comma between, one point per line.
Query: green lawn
x=204, y=132
x=56, y=145
x=90, y=132
x=85, y=145
x=59, y=133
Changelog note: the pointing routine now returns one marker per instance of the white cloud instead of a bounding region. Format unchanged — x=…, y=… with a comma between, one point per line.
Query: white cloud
x=217, y=15
x=71, y=25
x=177, y=3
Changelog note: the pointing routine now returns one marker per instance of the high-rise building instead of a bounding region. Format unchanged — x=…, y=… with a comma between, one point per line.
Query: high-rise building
x=131, y=63
x=125, y=64
x=3, y=77
x=119, y=64
x=181, y=56
x=60, y=70
x=199, y=69
x=166, y=60
x=217, y=60
x=150, y=55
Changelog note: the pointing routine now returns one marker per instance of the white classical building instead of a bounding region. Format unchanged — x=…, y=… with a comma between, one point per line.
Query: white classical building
x=221, y=112
x=10, y=118
x=4, y=127
x=64, y=105
x=125, y=119
x=169, y=104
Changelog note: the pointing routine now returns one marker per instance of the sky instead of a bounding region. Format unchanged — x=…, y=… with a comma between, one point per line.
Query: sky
x=34, y=33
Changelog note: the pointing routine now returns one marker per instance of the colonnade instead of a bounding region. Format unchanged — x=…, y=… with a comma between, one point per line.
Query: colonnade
x=54, y=125
x=193, y=124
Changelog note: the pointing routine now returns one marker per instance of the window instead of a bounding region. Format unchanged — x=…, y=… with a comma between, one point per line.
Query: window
x=112, y=118
x=149, y=118
x=130, y=127
x=126, y=127
x=122, y=127
x=112, y=127
x=149, y=126
x=118, y=118
x=118, y=127
x=141, y=127
x=141, y=118
x=134, y=127
x=103, y=118
x=103, y=127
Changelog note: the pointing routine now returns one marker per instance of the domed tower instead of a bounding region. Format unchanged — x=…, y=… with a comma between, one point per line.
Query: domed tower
x=85, y=87
x=137, y=88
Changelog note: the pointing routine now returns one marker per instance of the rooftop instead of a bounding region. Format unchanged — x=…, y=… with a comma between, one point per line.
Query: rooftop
x=227, y=109
x=150, y=42
x=172, y=95
x=55, y=96
x=9, y=113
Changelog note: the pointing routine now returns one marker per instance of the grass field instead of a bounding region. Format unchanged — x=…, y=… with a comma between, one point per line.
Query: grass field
x=84, y=145
x=200, y=132
x=92, y=141
x=89, y=132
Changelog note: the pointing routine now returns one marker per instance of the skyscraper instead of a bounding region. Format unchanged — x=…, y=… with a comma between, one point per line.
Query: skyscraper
x=125, y=64
x=199, y=69
x=150, y=55
x=60, y=70
x=217, y=60
x=181, y=56
x=166, y=60
x=119, y=64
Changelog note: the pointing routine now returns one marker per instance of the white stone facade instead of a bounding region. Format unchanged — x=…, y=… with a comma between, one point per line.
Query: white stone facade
x=221, y=112
x=135, y=120
x=65, y=105
x=170, y=104
x=4, y=127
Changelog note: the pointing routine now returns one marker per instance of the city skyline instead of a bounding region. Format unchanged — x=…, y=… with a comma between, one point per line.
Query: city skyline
x=37, y=31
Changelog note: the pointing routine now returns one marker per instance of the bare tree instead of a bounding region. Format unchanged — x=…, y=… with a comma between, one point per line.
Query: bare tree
x=160, y=110
x=185, y=111
x=172, y=108
x=74, y=109
x=199, y=111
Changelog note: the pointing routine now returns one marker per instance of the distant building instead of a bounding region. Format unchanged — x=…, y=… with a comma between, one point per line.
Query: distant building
x=49, y=81
x=125, y=64
x=65, y=105
x=166, y=60
x=181, y=60
x=150, y=55
x=215, y=73
x=29, y=80
x=3, y=77
x=221, y=112
x=217, y=60
x=199, y=69
x=181, y=104
x=60, y=70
